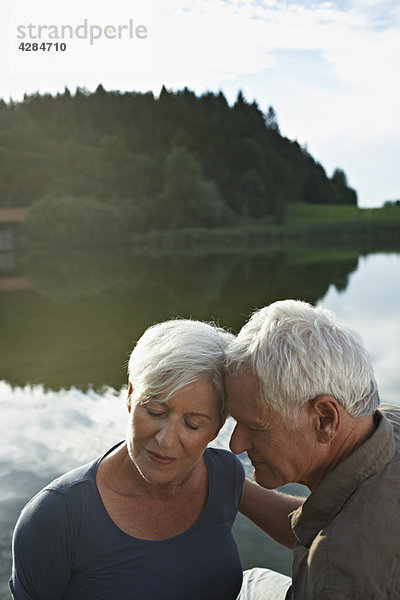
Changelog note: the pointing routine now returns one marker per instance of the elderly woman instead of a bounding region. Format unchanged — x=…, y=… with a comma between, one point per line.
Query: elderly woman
x=152, y=517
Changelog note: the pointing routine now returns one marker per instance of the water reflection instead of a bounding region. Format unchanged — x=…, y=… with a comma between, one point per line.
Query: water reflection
x=70, y=334
x=84, y=311
x=42, y=435
x=371, y=306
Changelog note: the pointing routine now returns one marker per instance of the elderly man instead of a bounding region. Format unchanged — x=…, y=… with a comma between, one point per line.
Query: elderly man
x=302, y=390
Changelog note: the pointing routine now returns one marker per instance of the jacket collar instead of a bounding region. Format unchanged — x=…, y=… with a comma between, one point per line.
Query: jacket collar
x=328, y=498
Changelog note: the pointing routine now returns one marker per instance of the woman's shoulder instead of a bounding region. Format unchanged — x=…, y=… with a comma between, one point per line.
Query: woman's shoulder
x=223, y=459
x=226, y=477
x=66, y=487
x=54, y=497
x=79, y=475
x=68, y=480
x=221, y=453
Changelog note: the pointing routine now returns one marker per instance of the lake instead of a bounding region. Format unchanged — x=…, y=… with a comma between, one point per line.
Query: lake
x=68, y=323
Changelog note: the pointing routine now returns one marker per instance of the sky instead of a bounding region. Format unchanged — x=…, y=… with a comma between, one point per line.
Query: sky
x=331, y=70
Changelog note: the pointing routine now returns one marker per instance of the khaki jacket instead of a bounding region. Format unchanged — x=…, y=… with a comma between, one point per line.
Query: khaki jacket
x=348, y=530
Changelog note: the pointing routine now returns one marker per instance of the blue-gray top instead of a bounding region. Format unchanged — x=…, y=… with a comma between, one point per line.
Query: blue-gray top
x=67, y=547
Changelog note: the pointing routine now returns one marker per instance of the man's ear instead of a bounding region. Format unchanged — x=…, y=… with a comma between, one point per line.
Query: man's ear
x=327, y=417
x=129, y=399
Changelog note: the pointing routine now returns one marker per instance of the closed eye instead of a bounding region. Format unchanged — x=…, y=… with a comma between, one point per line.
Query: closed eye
x=156, y=414
x=192, y=427
x=256, y=429
x=152, y=413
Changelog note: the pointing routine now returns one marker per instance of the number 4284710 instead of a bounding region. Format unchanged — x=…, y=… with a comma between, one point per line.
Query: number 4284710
x=44, y=47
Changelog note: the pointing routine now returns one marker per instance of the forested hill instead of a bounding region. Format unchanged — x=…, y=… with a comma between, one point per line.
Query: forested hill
x=168, y=161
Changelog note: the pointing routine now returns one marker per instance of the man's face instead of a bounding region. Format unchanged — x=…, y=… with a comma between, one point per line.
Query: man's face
x=279, y=453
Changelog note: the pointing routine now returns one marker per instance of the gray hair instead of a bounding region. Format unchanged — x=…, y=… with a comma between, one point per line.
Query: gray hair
x=174, y=354
x=298, y=352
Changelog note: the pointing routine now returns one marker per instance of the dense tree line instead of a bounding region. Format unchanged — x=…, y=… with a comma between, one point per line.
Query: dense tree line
x=155, y=162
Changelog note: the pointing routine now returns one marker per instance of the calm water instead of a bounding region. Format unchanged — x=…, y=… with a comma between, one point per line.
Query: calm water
x=68, y=323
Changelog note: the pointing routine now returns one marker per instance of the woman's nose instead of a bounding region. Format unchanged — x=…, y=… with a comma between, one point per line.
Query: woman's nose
x=167, y=434
x=238, y=442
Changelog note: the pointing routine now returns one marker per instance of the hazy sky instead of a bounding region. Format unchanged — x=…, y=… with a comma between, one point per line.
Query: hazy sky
x=330, y=69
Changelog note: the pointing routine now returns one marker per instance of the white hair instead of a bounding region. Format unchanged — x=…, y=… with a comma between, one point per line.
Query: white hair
x=299, y=352
x=174, y=354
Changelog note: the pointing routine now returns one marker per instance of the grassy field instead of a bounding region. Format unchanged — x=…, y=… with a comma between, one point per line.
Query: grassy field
x=306, y=217
x=305, y=226
x=311, y=214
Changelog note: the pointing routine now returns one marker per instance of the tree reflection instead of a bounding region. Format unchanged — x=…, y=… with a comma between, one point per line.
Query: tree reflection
x=83, y=313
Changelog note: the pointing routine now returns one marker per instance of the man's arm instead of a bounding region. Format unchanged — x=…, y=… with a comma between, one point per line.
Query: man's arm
x=269, y=510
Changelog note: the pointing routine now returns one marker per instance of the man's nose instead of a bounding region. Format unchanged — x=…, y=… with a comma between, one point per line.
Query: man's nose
x=239, y=442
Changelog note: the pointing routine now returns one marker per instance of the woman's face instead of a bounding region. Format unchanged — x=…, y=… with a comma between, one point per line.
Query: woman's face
x=166, y=439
